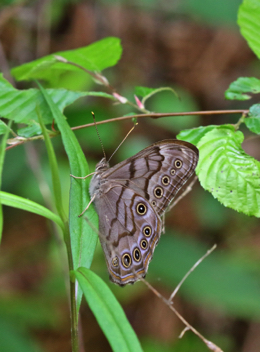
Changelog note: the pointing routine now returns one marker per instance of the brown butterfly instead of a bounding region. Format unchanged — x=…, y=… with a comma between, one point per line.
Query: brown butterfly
x=130, y=199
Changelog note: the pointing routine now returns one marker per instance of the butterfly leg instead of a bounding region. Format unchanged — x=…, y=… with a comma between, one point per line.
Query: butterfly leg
x=91, y=201
x=83, y=177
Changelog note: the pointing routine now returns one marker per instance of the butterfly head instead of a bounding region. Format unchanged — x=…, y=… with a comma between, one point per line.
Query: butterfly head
x=102, y=166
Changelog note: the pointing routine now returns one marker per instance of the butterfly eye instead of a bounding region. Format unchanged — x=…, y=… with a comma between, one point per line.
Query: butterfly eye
x=144, y=244
x=165, y=180
x=172, y=172
x=115, y=262
x=137, y=254
x=154, y=203
x=126, y=260
x=178, y=164
x=158, y=192
x=141, y=209
x=147, y=231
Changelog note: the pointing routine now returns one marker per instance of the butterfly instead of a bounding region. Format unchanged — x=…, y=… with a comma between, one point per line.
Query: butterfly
x=131, y=198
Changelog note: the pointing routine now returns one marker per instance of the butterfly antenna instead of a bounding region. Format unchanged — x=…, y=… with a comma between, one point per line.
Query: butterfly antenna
x=98, y=135
x=123, y=141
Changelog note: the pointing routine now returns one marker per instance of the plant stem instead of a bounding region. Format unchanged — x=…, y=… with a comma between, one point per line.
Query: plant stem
x=73, y=304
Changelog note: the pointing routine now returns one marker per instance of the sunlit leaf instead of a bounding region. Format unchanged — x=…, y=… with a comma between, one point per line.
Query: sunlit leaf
x=253, y=120
x=241, y=86
x=248, y=20
x=94, y=57
x=231, y=175
x=194, y=135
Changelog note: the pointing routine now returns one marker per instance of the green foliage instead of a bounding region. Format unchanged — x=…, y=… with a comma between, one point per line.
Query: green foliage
x=108, y=312
x=83, y=238
x=243, y=85
x=253, y=120
x=21, y=203
x=248, y=20
x=225, y=170
x=95, y=57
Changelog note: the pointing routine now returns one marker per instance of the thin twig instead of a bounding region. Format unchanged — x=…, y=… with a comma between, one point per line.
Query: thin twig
x=160, y=115
x=121, y=118
x=190, y=271
x=208, y=343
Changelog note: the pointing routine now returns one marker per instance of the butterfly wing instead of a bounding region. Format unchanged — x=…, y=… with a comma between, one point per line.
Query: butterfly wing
x=158, y=172
x=129, y=229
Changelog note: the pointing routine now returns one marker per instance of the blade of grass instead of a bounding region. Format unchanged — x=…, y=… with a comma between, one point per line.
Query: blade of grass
x=14, y=201
x=54, y=169
x=108, y=312
x=2, y=157
x=81, y=241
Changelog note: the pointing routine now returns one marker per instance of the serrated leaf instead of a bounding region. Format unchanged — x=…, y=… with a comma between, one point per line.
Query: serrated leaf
x=253, y=120
x=108, y=312
x=225, y=170
x=243, y=85
x=248, y=20
x=95, y=57
x=194, y=135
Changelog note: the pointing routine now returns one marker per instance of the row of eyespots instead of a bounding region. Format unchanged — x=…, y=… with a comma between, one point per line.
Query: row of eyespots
x=158, y=191
x=126, y=258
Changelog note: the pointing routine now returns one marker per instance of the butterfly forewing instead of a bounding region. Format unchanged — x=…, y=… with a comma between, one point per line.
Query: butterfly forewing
x=157, y=172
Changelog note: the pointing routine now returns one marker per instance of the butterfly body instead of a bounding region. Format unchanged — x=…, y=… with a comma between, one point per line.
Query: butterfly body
x=130, y=199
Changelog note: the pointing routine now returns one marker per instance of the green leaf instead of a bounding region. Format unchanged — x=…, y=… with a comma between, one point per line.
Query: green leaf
x=225, y=170
x=220, y=282
x=2, y=157
x=95, y=57
x=19, y=105
x=194, y=135
x=3, y=127
x=54, y=170
x=253, y=120
x=243, y=85
x=82, y=236
x=108, y=312
x=248, y=20
x=12, y=200
x=34, y=129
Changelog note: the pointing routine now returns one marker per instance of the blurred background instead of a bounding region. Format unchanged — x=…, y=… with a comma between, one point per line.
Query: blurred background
x=195, y=47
